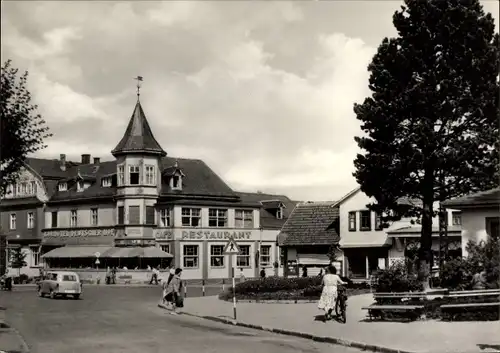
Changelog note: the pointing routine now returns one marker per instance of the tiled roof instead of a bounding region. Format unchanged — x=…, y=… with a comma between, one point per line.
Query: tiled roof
x=267, y=219
x=311, y=223
x=483, y=198
x=138, y=137
x=199, y=179
x=50, y=168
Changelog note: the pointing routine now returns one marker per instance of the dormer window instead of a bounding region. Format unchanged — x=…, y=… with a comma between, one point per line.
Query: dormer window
x=279, y=213
x=106, y=182
x=176, y=182
x=79, y=186
x=63, y=186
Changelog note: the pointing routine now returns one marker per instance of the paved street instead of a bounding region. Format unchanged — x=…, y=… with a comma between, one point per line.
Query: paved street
x=126, y=320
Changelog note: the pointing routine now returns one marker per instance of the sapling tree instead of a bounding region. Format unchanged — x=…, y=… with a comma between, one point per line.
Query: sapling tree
x=431, y=123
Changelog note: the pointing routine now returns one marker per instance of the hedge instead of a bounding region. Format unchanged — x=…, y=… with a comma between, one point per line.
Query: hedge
x=281, y=288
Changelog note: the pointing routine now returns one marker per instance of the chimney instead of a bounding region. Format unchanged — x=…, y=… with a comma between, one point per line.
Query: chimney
x=97, y=160
x=85, y=158
x=62, y=162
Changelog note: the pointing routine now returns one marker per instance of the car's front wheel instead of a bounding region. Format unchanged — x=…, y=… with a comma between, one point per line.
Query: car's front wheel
x=76, y=296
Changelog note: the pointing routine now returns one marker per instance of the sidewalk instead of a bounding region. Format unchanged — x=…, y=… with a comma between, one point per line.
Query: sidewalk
x=417, y=336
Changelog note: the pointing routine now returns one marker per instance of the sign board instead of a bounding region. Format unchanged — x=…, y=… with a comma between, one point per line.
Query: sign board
x=231, y=247
x=97, y=254
x=97, y=262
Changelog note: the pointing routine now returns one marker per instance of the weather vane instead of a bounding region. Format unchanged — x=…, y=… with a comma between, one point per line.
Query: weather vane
x=139, y=80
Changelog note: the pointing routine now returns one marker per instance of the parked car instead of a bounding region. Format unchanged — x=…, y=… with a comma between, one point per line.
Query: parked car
x=60, y=283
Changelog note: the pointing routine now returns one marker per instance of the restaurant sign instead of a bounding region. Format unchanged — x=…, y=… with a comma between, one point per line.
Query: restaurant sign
x=207, y=234
x=86, y=232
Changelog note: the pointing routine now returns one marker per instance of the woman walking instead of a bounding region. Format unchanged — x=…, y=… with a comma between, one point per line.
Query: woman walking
x=172, y=291
x=329, y=294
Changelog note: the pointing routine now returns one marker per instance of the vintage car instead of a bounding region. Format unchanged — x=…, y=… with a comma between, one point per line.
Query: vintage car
x=60, y=283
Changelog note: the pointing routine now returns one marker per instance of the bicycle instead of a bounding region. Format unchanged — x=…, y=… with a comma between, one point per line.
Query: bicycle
x=341, y=304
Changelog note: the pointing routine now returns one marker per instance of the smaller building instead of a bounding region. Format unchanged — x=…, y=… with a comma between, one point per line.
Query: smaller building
x=307, y=237
x=480, y=216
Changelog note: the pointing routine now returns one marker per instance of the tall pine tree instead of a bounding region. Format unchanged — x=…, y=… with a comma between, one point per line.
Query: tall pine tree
x=431, y=123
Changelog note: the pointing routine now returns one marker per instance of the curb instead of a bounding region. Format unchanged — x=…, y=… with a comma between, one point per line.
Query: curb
x=331, y=340
x=272, y=301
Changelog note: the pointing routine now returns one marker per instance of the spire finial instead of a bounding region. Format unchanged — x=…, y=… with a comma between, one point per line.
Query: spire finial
x=139, y=80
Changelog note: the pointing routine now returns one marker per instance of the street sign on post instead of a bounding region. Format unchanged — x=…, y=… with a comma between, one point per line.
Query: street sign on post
x=97, y=262
x=232, y=249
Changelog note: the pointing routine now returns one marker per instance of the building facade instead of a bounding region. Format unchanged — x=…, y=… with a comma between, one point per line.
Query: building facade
x=367, y=246
x=480, y=216
x=143, y=198
x=309, y=239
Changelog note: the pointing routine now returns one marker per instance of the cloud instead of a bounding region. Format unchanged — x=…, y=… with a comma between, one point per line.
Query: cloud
x=262, y=91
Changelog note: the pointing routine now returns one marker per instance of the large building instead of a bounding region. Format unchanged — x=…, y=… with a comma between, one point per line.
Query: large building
x=143, y=198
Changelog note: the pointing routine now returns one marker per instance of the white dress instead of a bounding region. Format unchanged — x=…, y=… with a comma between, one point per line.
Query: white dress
x=329, y=294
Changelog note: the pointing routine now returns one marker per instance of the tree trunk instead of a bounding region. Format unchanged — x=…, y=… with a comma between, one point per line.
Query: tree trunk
x=425, y=253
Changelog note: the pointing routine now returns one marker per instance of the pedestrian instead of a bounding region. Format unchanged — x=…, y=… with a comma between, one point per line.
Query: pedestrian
x=304, y=271
x=113, y=275
x=479, y=280
x=154, y=276
x=328, y=297
x=172, y=292
x=262, y=273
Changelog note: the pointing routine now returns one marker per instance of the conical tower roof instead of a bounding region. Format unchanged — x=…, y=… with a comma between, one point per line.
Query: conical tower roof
x=138, y=137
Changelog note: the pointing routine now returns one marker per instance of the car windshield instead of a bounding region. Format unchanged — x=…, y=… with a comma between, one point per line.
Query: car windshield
x=69, y=278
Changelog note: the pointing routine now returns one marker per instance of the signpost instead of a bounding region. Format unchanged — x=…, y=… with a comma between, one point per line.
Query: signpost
x=232, y=249
x=97, y=262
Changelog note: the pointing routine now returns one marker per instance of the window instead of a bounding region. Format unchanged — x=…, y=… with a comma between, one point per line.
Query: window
x=217, y=217
x=121, y=175
x=176, y=182
x=456, y=218
x=31, y=188
x=243, y=258
x=190, y=256
x=150, y=175
x=191, y=217
x=166, y=217
x=121, y=215
x=69, y=278
x=493, y=227
x=73, y=221
x=217, y=256
x=106, y=182
x=265, y=255
x=352, y=221
x=378, y=221
x=282, y=256
x=31, y=220
x=24, y=188
x=94, y=216
x=365, y=221
x=165, y=248
x=35, y=257
x=79, y=186
x=243, y=219
x=10, y=190
x=13, y=221
x=63, y=186
x=279, y=213
x=134, y=214
x=54, y=219
x=134, y=175
x=150, y=215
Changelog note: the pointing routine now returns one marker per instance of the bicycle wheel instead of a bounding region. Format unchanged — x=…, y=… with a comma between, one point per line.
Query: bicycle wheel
x=340, y=310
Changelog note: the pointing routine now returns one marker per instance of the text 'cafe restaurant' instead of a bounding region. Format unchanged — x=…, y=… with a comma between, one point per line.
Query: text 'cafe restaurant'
x=200, y=252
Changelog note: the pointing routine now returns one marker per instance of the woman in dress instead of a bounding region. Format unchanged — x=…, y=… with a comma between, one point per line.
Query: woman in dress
x=329, y=294
x=172, y=291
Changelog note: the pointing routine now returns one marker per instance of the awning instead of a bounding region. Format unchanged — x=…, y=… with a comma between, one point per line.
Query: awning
x=413, y=231
x=76, y=252
x=107, y=252
x=154, y=252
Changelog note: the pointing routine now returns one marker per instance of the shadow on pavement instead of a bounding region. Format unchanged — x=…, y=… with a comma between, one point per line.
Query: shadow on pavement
x=487, y=346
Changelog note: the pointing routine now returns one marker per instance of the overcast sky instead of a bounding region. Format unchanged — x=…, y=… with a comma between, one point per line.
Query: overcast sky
x=261, y=91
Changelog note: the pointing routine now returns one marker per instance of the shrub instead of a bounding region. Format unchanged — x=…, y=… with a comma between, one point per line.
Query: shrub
x=397, y=279
x=457, y=273
x=280, y=288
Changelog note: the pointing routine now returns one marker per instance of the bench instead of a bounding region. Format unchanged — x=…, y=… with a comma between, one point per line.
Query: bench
x=376, y=310
x=448, y=309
